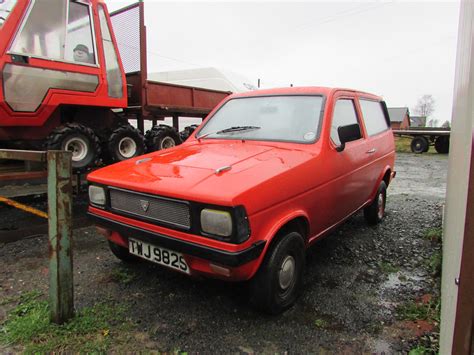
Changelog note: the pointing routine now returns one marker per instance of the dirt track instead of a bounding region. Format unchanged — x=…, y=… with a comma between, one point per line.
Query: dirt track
x=353, y=283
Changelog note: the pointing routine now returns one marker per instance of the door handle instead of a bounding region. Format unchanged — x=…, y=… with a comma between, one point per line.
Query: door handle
x=371, y=151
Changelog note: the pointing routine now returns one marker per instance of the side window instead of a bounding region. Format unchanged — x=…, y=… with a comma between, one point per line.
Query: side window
x=374, y=117
x=79, y=40
x=6, y=7
x=114, y=75
x=43, y=34
x=344, y=114
x=49, y=31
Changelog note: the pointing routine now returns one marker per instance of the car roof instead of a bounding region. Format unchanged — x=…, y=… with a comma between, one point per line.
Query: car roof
x=307, y=90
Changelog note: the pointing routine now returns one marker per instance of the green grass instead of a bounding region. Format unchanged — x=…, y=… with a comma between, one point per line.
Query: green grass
x=435, y=263
x=420, y=350
x=92, y=329
x=122, y=275
x=402, y=145
x=388, y=268
x=434, y=234
x=321, y=323
x=419, y=311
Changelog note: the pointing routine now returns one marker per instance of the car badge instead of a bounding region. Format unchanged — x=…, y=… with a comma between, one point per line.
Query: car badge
x=144, y=204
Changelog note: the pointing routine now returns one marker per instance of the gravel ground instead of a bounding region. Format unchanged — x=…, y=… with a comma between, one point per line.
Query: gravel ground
x=348, y=304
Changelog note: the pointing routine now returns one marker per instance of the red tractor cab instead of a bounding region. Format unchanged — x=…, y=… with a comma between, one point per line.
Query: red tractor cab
x=63, y=85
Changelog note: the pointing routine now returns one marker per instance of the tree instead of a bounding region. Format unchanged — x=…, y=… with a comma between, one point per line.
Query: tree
x=425, y=106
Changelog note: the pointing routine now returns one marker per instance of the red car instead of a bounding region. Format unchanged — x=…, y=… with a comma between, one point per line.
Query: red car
x=266, y=175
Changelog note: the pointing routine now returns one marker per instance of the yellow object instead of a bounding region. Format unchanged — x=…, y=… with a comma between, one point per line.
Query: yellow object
x=24, y=207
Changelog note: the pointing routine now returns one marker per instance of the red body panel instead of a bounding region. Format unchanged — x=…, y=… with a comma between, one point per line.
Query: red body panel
x=276, y=182
x=54, y=97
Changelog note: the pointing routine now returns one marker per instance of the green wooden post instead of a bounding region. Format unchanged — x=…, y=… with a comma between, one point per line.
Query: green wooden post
x=61, y=291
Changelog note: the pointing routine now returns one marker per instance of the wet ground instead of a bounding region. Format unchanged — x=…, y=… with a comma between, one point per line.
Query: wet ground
x=354, y=282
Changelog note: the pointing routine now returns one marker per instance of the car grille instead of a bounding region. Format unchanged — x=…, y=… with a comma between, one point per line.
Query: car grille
x=158, y=209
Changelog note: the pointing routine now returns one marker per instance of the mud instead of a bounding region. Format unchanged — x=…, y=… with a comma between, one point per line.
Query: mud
x=350, y=295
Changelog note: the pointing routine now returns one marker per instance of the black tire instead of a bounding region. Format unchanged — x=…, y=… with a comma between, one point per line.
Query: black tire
x=442, y=144
x=419, y=145
x=124, y=143
x=122, y=253
x=375, y=212
x=187, y=132
x=271, y=290
x=79, y=139
x=161, y=137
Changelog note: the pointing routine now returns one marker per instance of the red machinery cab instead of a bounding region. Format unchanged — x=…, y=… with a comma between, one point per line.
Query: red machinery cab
x=59, y=67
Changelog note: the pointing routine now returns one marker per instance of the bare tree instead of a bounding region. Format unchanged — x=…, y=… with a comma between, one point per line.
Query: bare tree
x=425, y=106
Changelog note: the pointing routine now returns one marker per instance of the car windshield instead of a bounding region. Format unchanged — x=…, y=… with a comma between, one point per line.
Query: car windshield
x=6, y=7
x=267, y=118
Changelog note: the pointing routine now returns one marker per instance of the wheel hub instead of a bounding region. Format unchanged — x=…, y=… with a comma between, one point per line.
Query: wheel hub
x=127, y=147
x=78, y=147
x=287, y=272
x=167, y=142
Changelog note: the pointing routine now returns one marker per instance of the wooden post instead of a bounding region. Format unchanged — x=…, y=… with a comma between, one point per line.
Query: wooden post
x=61, y=291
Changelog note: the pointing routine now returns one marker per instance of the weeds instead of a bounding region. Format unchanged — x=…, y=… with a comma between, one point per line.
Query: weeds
x=413, y=311
x=388, y=268
x=435, y=263
x=122, y=275
x=434, y=234
x=321, y=323
x=90, y=330
x=420, y=350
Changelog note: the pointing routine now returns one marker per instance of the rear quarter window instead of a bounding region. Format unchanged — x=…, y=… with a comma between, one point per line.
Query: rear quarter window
x=374, y=117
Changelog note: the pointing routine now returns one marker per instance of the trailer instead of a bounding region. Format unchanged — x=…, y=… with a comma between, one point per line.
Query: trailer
x=74, y=78
x=423, y=137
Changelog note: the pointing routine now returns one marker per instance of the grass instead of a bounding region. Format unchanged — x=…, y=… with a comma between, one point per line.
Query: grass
x=435, y=263
x=420, y=350
x=122, y=275
x=402, y=145
x=413, y=311
x=388, y=268
x=92, y=330
x=434, y=234
x=321, y=323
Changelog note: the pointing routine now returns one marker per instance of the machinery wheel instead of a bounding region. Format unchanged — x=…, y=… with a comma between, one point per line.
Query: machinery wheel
x=278, y=282
x=122, y=253
x=187, y=132
x=442, y=144
x=375, y=212
x=419, y=145
x=125, y=142
x=78, y=139
x=161, y=137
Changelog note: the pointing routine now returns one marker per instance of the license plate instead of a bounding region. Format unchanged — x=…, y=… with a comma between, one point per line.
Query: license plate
x=158, y=255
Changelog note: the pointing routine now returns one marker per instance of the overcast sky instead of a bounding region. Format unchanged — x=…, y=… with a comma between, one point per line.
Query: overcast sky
x=398, y=49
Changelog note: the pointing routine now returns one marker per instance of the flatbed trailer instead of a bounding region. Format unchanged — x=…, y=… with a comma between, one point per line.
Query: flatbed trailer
x=423, y=137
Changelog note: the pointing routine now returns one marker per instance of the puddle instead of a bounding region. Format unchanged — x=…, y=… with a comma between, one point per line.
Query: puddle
x=381, y=347
x=395, y=280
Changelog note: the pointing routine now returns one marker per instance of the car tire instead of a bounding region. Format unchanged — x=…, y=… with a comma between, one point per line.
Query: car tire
x=161, y=137
x=419, y=145
x=78, y=139
x=375, y=212
x=442, y=145
x=278, y=282
x=124, y=143
x=122, y=253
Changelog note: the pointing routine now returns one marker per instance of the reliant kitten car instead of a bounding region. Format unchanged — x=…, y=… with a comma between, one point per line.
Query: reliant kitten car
x=266, y=175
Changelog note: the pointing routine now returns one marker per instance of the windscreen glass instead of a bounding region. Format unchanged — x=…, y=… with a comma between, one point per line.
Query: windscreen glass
x=269, y=118
x=6, y=7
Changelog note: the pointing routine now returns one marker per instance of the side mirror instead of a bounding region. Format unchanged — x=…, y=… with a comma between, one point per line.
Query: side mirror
x=348, y=133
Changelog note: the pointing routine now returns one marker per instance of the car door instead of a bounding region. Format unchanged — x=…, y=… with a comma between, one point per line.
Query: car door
x=349, y=176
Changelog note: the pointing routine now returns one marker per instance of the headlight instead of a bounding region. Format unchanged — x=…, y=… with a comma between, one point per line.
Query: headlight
x=97, y=195
x=216, y=222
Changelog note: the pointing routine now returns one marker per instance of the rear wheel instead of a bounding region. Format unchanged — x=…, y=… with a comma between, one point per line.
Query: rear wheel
x=277, y=284
x=78, y=139
x=442, y=144
x=419, y=145
x=125, y=142
x=375, y=212
x=161, y=137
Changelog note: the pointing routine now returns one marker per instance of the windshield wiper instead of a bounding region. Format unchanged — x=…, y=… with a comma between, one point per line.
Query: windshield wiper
x=230, y=130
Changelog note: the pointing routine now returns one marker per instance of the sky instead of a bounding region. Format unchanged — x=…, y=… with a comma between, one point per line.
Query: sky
x=400, y=50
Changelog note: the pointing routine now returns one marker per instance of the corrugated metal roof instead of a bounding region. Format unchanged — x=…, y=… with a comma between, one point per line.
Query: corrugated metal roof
x=397, y=114
x=417, y=121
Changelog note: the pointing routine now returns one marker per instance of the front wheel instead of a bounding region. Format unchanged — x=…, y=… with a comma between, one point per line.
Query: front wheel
x=277, y=284
x=375, y=212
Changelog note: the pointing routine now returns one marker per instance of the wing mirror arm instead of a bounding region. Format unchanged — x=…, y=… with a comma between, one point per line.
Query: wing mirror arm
x=340, y=147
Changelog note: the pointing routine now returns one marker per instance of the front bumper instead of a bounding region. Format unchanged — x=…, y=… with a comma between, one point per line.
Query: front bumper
x=222, y=257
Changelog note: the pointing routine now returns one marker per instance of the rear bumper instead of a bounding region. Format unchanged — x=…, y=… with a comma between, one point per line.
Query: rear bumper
x=231, y=259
